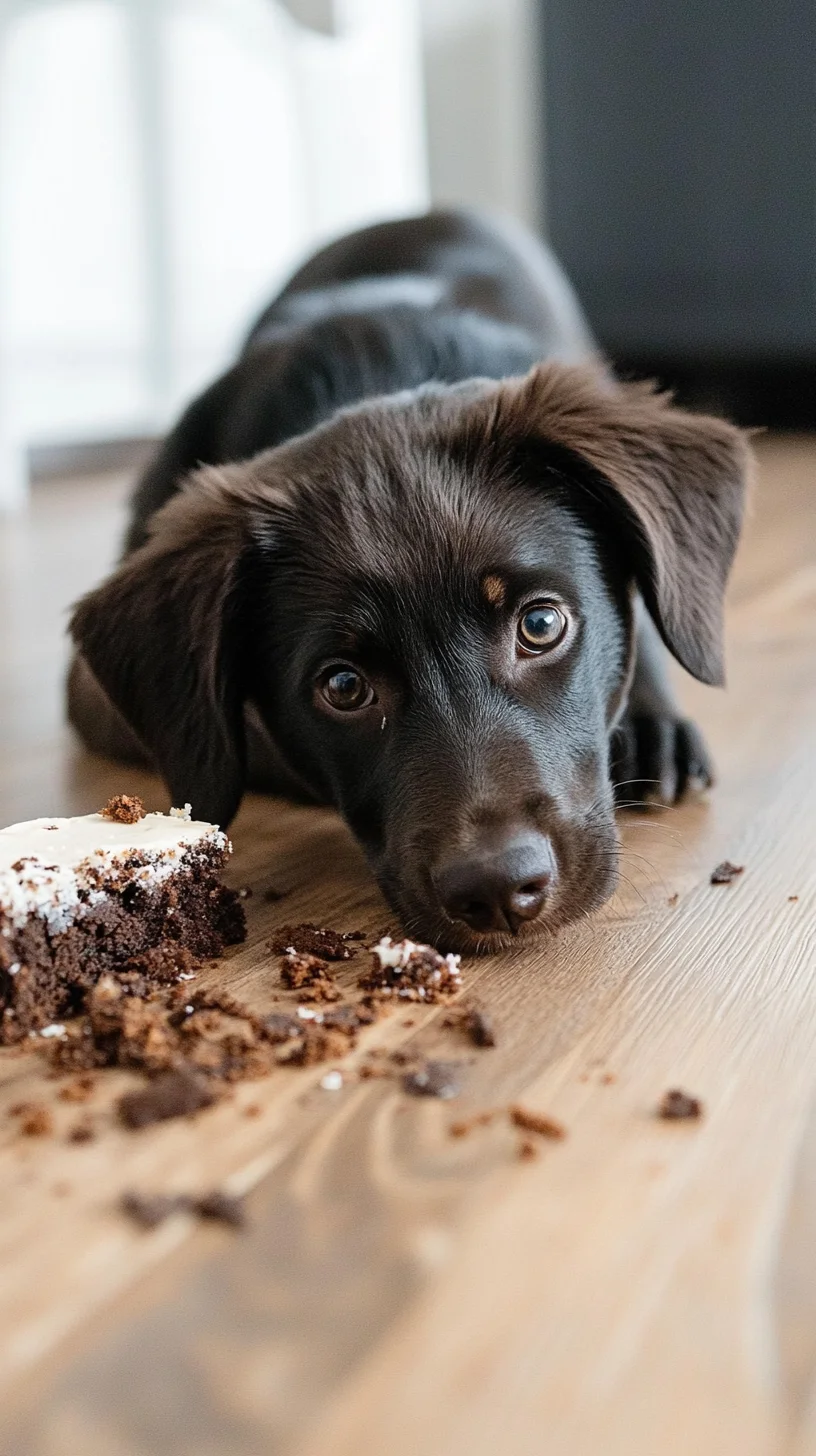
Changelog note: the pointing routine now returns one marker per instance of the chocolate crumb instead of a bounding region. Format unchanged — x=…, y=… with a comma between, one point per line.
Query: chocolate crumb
x=474, y=1023
x=726, y=872
x=348, y=1018
x=464, y=1127
x=279, y=1027
x=151, y=1209
x=35, y=1119
x=672, y=900
x=222, y=1208
x=253, y=1110
x=317, y=1044
x=79, y=1089
x=792, y=898
x=271, y=895
x=82, y=1131
x=676, y=1105
x=172, y=1094
x=435, y=1079
x=311, y=940
x=535, y=1122
x=310, y=975
x=124, y=809
x=526, y=1150
x=479, y=1028
x=410, y=971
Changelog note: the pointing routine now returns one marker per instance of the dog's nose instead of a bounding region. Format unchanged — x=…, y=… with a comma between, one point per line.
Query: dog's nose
x=501, y=889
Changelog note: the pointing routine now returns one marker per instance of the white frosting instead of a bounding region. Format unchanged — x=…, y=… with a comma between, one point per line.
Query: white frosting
x=64, y=859
x=395, y=955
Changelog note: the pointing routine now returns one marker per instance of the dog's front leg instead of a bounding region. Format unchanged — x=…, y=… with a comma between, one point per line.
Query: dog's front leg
x=656, y=755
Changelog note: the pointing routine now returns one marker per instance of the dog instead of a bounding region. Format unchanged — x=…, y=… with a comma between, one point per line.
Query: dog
x=421, y=556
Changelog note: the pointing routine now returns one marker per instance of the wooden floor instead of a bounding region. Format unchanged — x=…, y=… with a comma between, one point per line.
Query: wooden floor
x=641, y=1289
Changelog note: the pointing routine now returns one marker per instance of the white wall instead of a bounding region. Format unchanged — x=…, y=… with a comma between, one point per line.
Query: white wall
x=482, y=92
x=163, y=165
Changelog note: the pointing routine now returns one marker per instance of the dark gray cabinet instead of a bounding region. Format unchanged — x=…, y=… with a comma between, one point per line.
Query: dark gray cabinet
x=680, y=176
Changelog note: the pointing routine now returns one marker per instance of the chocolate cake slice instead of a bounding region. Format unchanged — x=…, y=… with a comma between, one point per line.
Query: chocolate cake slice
x=104, y=894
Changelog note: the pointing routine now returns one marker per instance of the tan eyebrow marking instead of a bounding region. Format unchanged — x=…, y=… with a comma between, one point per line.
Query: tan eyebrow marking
x=494, y=590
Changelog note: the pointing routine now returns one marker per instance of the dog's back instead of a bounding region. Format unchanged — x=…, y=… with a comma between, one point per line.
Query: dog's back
x=444, y=297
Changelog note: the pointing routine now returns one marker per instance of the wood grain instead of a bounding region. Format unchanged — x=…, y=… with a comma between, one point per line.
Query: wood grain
x=640, y=1287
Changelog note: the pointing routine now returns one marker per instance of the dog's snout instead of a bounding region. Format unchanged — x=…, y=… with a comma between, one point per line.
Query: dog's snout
x=499, y=889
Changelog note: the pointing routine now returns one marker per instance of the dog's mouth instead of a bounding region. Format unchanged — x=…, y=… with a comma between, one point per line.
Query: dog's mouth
x=589, y=872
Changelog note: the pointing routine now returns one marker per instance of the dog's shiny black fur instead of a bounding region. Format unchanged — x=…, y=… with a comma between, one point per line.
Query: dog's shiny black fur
x=437, y=451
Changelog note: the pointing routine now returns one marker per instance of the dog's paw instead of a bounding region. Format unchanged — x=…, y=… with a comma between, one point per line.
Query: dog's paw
x=656, y=758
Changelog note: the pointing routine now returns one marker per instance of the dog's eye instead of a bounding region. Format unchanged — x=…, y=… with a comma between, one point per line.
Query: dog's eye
x=541, y=627
x=345, y=689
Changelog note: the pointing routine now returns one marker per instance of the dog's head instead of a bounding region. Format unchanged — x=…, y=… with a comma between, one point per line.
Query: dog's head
x=429, y=602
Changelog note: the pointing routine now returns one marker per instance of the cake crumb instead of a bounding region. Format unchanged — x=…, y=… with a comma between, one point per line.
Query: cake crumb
x=151, y=1209
x=411, y=971
x=726, y=873
x=309, y=974
x=676, y=1105
x=221, y=1208
x=79, y=1089
x=308, y=939
x=435, y=1079
x=316, y=1044
x=280, y=1027
x=672, y=900
x=172, y=1094
x=348, y=1018
x=35, y=1119
x=526, y=1150
x=124, y=809
x=479, y=1028
x=82, y=1131
x=535, y=1122
x=185, y=813
x=475, y=1023
x=608, y=1078
x=253, y=1109
x=464, y=1126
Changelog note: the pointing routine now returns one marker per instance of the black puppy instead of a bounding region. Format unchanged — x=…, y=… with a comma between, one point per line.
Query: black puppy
x=425, y=604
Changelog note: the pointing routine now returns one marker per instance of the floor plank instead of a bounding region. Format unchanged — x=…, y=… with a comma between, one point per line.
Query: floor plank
x=640, y=1287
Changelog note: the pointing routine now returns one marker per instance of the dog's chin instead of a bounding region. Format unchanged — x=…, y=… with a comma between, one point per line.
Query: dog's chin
x=461, y=938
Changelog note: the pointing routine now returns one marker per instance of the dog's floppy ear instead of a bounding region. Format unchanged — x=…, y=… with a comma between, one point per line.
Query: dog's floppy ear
x=164, y=637
x=673, y=483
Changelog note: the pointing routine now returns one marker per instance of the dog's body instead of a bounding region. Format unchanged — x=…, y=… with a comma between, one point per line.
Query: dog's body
x=369, y=612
